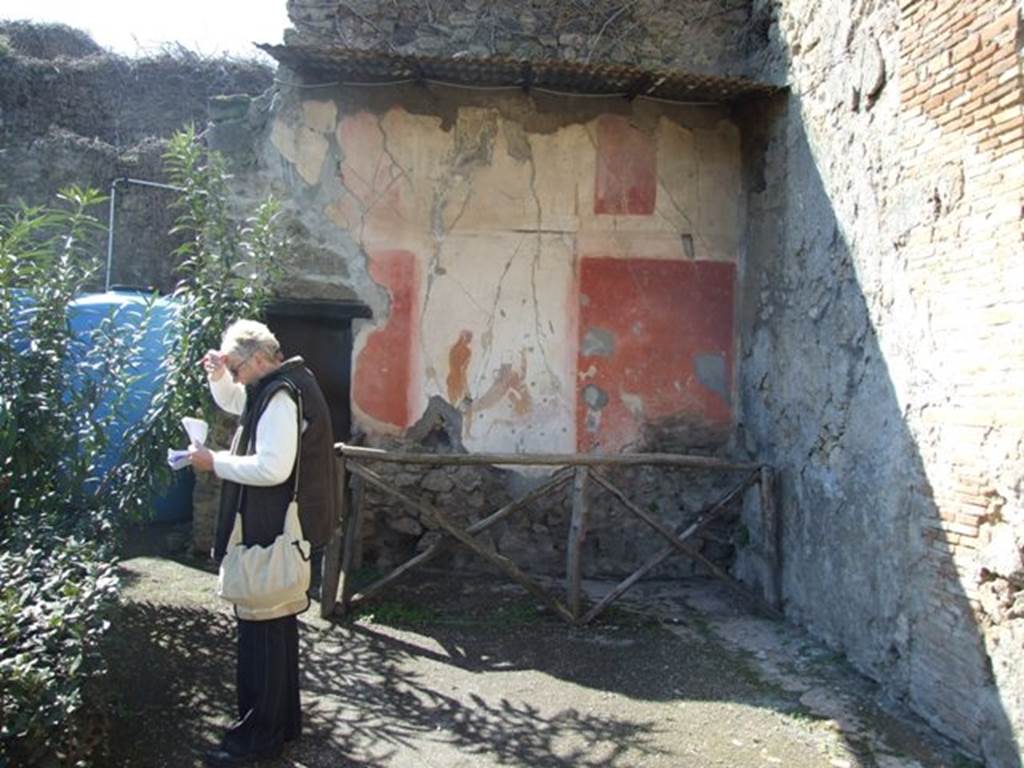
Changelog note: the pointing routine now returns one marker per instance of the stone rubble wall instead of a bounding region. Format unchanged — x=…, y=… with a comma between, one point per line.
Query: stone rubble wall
x=46, y=41
x=535, y=537
x=71, y=113
x=881, y=333
x=706, y=36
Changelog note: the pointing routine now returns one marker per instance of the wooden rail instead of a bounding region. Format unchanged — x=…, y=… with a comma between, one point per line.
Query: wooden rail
x=582, y=470
x=543, y=459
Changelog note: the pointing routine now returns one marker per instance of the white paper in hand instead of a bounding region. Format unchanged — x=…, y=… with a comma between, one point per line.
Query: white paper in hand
x=197, y=431
x=178, y=459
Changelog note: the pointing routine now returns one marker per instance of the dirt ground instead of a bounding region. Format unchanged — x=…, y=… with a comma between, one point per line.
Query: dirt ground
x=450, y=672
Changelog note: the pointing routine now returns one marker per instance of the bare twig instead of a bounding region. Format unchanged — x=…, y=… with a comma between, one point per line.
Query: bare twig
x=600, y=32
x=385, y=38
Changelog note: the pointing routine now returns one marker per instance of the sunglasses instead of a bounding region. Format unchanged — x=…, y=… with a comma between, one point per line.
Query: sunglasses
x=235, y=369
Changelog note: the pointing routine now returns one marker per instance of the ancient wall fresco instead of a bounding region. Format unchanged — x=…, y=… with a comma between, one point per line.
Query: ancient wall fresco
x=655, y=343
x=500, y=258
x=626, y=180
x=383, y=387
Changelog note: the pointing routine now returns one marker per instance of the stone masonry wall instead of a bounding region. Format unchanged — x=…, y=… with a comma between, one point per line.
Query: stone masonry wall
x=694, y=35
x=880, y=364
x=535, y=537
x=71, y=113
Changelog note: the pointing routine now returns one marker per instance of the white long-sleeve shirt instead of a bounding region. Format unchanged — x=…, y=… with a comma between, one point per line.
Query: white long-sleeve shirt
x=276, y=437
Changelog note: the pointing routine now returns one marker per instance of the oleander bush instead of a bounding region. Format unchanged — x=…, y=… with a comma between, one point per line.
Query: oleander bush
x=63, y=504
x=57, y=574
x=228, y=266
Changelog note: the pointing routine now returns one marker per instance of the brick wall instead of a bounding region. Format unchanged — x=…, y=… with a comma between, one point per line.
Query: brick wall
x=881, y=357
x=962, y=118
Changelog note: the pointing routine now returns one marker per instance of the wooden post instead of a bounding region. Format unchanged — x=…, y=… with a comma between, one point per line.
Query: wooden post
x=577, y=532
x=332, y=558
x=351, y=541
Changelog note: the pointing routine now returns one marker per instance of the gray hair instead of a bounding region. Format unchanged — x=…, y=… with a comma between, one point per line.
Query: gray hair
x=244, y=338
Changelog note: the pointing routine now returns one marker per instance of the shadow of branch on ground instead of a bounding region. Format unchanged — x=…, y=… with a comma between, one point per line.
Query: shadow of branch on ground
x=364, y=698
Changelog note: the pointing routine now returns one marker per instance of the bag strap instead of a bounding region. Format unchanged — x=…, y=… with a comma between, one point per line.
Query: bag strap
x=298, y=439
x=298, y=450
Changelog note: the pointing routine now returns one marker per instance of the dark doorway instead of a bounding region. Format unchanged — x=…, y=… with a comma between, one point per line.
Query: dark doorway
x=321, y=332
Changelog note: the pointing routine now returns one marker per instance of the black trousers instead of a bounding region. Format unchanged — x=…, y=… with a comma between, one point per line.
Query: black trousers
x=316, y=572
x=268, y=687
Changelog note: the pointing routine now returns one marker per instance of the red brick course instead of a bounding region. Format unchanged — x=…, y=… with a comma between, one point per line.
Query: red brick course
x=962, y=106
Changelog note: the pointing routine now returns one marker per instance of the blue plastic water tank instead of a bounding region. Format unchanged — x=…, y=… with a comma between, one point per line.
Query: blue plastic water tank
x=21, y=314
x=130, y=308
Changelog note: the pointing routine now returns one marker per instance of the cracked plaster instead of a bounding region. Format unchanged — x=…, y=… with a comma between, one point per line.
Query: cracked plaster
x=496, y=214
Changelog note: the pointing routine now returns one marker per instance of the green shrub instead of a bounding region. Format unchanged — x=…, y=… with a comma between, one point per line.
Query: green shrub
x=60, y=511
x=53, y=609
x=56, y=548
x=51, y=432
x=228, y=266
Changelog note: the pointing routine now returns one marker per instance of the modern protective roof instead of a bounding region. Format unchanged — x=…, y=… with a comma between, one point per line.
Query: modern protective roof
x=344, y=65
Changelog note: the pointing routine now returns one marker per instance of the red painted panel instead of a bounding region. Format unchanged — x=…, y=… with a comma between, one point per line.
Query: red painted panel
x=627, y=177
x=655, y=343
x=382, y=381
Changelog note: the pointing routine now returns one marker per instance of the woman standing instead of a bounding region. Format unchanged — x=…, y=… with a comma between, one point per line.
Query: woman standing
x=249, y=377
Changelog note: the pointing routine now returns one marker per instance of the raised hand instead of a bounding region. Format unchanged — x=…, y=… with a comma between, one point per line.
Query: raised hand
x=214, y=363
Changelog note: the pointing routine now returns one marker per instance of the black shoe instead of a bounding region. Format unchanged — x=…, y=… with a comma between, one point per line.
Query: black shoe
x=223, y=758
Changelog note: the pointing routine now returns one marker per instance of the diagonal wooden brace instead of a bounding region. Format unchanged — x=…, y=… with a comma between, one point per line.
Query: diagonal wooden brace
x=559, y=479
x=677, y=543
x=503, y=563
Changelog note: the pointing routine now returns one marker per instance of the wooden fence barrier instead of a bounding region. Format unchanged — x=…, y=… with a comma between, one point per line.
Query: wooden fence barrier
x=338, y=596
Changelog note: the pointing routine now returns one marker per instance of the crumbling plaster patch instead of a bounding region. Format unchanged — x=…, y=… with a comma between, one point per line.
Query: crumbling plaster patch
x=301, y=145
x=304, y=201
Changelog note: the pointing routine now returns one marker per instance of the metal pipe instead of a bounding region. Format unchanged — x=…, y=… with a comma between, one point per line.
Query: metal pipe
x=111, y=218
x=144, y=183
x=110, y=232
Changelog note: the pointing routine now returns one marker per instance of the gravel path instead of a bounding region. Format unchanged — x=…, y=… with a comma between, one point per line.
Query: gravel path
x=447, y=673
